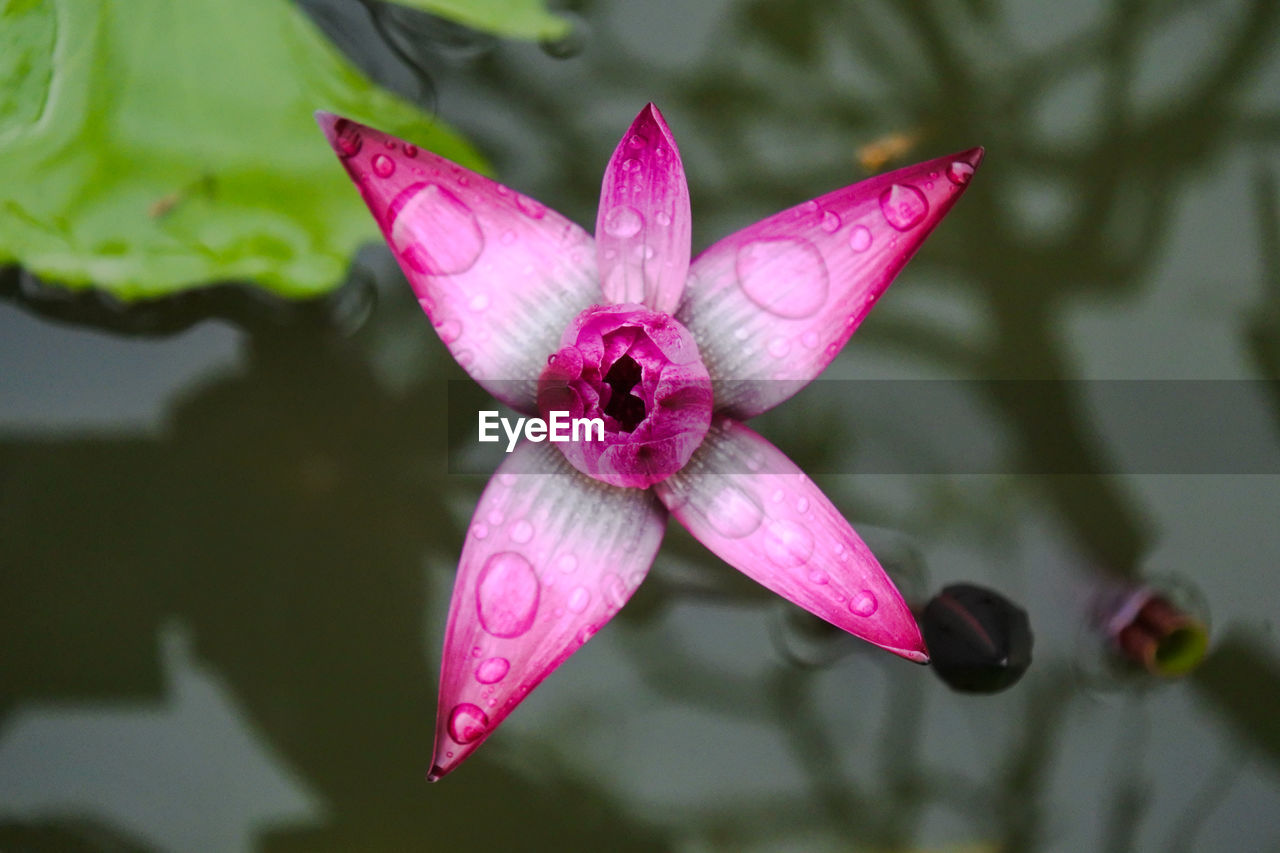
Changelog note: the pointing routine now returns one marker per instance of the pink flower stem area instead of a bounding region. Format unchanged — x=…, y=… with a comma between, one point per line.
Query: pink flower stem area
x=672, y=354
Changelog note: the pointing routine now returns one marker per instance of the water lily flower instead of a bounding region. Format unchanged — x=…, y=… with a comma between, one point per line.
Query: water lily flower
x=673, y=355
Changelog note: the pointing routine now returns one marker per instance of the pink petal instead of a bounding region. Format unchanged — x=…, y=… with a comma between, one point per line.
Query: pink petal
x=499, y=274
x=642, y=231
x=551, y=556
x=777, y=300
x=746, y=501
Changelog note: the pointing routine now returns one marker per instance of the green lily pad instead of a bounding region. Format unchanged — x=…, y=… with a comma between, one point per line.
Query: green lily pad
x=149, y=147
x=526, y=19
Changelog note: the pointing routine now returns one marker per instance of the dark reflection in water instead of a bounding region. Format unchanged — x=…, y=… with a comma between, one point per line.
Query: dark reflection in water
x=297, y=517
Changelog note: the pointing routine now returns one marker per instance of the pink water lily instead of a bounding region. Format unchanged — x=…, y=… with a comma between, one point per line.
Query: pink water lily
x=672, y=355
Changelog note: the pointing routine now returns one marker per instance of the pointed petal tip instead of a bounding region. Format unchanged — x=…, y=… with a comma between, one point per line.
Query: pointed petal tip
x=974, y=156
x=921, y=658
x=326, y=120
x=437, y=773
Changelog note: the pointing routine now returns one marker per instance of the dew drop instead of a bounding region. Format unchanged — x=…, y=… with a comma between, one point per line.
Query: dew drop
x=903, y=206
x=567, y=563
x=631, y=164
x=810, y=340
x=579, y=599
x=507, y=595
x=779, y=347
x=786, y=277
x=479, y=531
x=636, y=140
x=479, y=302
x=663, y=218
x=492, y=670
x=521, y=531
x=741, y=333
x=532, y=208
x=586, y=633
x=809, y=206
x=347, y=138
x=777, y=496
x=476, y=651
x=623, y=221
x=863, y=603
x=467, y=722
x=802, y=505
x=860, y=238
x=410, y=150
x=830, y=221
x=819, y=577
x=615, y=590
x=959, y=172
x=788, y=544
x=495, y=517
x=433, y=231
x=449, y=330
x=734, y=513
x=383, y=165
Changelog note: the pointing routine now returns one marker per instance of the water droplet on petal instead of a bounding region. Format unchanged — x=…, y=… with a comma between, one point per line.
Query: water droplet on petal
x=383, y=165
x=493, y=670
x=521, y=531
x=347, y=138
x=788, y=544
x=507, y=595
x=903, y=206
x=959, y=172
x=819, y=577
x=479, y=302
x=567, y=563
x=786, y=277
x=615, y=590
x=449, y=330
x=586, y=633
x=802, y=504
x=779, y=347
x=508, y=237
x=410, y=150
x=777, y=496
x=741, y=333
x=860, y=238
x=467, y=722
x=637, y=141
x=631, y=164
x=830, y=221
x=532, y=208
x=433, y=231
x=863, y=603
x=476, y=651
x=623, y=221
x=479, y=531
x=579, y=599
x=495, y=517
x=809, y=206
x=810, y=340
x=734, y=513
x=664, y=218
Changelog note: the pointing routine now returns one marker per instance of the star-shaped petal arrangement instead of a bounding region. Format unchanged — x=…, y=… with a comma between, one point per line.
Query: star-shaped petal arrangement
x=671, y=355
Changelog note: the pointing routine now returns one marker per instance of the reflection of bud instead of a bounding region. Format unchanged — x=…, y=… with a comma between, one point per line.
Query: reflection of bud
x=1150, y=630
x=979, y=641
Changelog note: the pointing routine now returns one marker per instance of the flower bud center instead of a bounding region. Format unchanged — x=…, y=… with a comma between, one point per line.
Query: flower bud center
x=640, y=373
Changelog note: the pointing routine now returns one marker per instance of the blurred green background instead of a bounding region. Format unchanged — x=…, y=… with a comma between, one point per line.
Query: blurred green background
x=228, y=526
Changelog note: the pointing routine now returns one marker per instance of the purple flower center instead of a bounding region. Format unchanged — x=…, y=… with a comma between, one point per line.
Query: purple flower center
x=640, y=373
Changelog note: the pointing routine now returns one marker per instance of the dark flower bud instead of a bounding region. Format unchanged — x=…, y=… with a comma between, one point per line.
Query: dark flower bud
x=978, y=640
